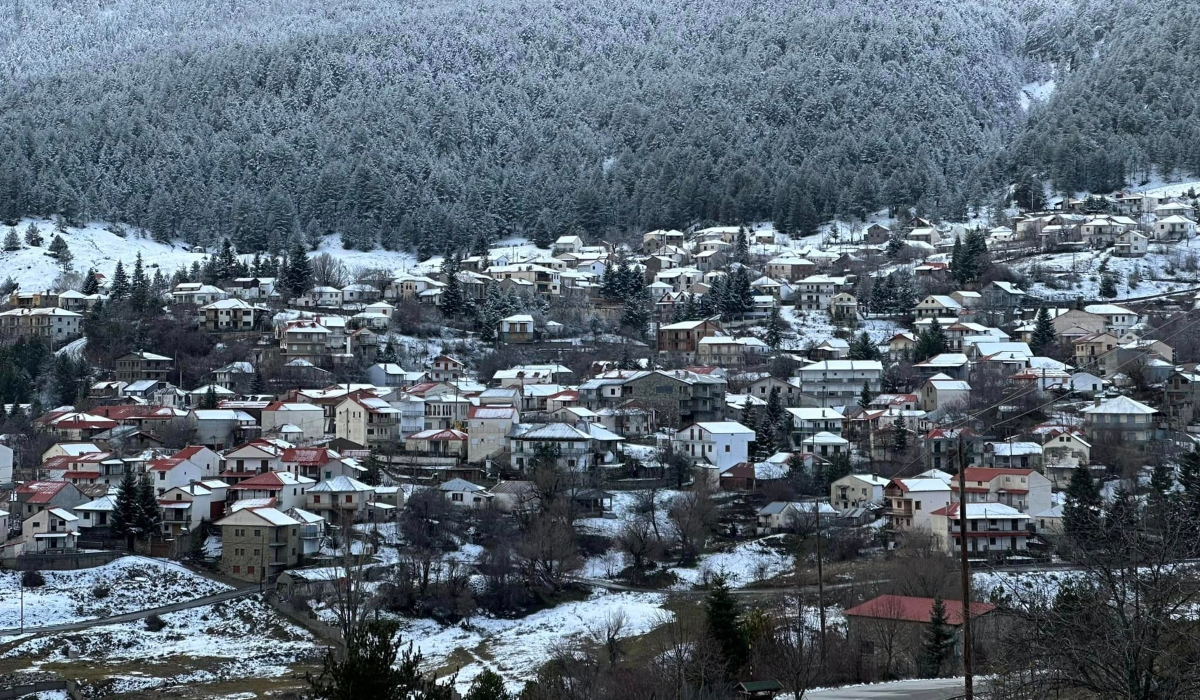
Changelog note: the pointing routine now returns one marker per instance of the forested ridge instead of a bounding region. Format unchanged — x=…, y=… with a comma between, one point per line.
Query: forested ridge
x=428, y=124
x=1130, y=103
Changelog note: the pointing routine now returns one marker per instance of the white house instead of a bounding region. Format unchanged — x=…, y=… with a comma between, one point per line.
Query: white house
x=51, y=530
x=1117, y=319
x=838, y=382
x=719, y=444
x=462, y=493
x=854, y=490
x=991, y=527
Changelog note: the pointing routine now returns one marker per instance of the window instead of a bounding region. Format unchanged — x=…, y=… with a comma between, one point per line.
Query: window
x=237, y=569
x=349, y=498
x=258, y=533
x=727, y=448
x=257, y=552
x=316, y=498
x=249, y=569
x=162, y=476
x=456, y=497
x=916, y=505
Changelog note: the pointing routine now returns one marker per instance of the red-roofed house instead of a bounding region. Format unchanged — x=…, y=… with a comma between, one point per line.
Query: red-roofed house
x=251, y=459
x=286, y=488
x=208, y=460
x=36, y=496
x=894, y=628
x=445, y=369
x=74, y=426
x=316, y=463
x=172, y=472
x=438, y=442
x=184, y=507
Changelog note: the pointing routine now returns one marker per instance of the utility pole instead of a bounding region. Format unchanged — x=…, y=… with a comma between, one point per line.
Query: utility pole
x=968, y=671
x=820, y=579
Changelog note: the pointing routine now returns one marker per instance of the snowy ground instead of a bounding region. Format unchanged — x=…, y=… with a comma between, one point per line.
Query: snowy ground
x=243, y=638
x=815, y=327
x=744, y=564
x=1027, y=586
x=1162, y=270
x=515, y=649
x=135, y=583
x=623, y=510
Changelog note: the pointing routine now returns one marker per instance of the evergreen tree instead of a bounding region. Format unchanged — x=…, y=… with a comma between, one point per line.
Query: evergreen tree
x=453, y=299
x=861, y=348
x=119, y=289
x=209, y=401
x=895, y=244
x=931, y=342
x=940, y=641
x=1108, y=285
x=865, y=397
x=1189, y=483
x=488, y=685
x=66, y=386
x=373, y=476
x=158, y=289
x=774, y=413
x=227, y=261
x=148, y=518
x=139, y=286
x=125, y=509
x=1083, y=506
x=777, y=329
x=1044, y=337
x=299, y=273
x=741, y=246
x=12, y=241
x=725, y=625
x=91, y=285
x=375, y=665
x=61, y=252
x=637, y=313
x=899, y=436
x=956, y=260
x=258, y=385
x=33, y=236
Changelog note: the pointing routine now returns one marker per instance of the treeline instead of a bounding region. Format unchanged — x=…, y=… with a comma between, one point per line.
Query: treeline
x=420, y=126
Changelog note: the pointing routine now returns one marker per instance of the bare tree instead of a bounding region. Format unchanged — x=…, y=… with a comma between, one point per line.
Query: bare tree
x=694, y=515
x=548, y=550
x=608, y=632
x=351, y=598
x=639, y=540
x=793, y=654
x=328, y=271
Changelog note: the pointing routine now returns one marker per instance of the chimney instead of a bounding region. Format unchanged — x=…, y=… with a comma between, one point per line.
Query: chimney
x=1096, y=401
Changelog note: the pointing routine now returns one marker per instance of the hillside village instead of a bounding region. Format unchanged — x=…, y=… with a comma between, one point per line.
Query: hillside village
x=490, y=432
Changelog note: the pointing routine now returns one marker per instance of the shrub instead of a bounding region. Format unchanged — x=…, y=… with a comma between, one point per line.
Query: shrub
x=101, y=591
x=33, y=579
x=154, y=623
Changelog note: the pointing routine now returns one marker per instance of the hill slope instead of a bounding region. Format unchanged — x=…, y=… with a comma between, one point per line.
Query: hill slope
x=432, y=122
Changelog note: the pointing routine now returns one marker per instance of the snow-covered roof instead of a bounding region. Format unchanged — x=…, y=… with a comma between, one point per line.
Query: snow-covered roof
x=340, y=484
x=1119, y=405
x=725, y=428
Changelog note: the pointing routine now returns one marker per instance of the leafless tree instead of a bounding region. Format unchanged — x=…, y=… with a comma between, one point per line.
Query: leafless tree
x=888, y=636
x=328, y=271
x=793, y=651
x=607, y=634
x=641, y=543
x=694, y=515
x=351, y=601
x=646, y=505
x=548, y=551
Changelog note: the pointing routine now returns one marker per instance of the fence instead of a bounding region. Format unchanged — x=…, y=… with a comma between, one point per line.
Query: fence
x=20, y=691
x=59, y=562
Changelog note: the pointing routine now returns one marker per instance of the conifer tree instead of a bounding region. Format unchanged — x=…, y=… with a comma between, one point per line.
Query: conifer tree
x=899, y=436
x=119, y=289
x=488, y=685
x=375, y=665
x=33, y=236
x=865, y=397
x=61, y=252
x=1108, y=285
x=124, y=517
x=1044, y=337
x=940, y=640
x=741, y=246
x=209, y=400
x=725, y=625
x=139, y=286
x=299, y=272
x=453, y=299
x=148, y=517
x=373, y=475
x=91, y=285
x=12, y=241
x=158, y=288
x=777, y=329
x=1083, y=506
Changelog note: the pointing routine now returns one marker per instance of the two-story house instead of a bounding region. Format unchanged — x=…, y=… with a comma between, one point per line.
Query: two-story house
x=716, y=444
x=910, y=501
x=1024, y=489
x=140, y=365
x=684, y=338
x=991, y=528
x=838, y=382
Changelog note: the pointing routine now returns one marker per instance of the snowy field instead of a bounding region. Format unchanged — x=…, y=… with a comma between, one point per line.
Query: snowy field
x=1162, y=270
x=134, y=583
x=1029, y=586
x=815, y=327
x=744, y=564
x=515, y=649
x=243, y=638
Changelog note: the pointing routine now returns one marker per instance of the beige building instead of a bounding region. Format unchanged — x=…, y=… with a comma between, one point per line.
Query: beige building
x=257, y=544
x=366, y=420
x=52, y=323
x=487, y=428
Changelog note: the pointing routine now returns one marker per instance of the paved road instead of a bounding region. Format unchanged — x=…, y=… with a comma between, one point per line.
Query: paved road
x=136, y=615
x=919, y=689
